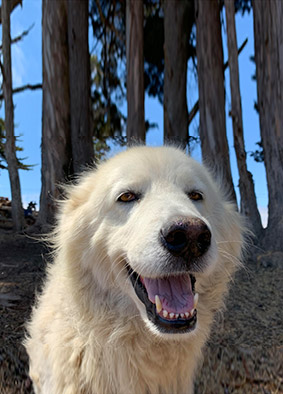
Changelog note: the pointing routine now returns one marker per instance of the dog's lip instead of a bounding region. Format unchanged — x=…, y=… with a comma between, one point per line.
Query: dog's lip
x=164, y=321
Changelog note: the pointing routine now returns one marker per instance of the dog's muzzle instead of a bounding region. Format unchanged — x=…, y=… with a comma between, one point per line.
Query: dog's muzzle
x=170, y=299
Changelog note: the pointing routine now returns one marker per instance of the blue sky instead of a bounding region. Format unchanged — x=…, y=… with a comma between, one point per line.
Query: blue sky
x=26, y=65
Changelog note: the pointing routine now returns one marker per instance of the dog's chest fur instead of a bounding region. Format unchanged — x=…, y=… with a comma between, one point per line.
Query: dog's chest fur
x=148, y=366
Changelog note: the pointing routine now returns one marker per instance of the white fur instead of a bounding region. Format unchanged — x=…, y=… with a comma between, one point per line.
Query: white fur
x=89, y=333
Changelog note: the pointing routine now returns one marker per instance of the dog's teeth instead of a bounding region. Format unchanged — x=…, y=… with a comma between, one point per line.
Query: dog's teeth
x=158, y=304
x=165, y=313
x=182, y=315
x=187, y=314
x=192, y=312
x=196, y=296
x=172, y=315
x=177, y=315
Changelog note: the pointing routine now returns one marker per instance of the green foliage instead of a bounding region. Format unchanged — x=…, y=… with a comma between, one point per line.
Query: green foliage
x=108, y=61
x=243, y=6
x=3, y=162
x=108, y=72
x=153, y=49
x=258, y=154
x=154, y=44
x=108, y=121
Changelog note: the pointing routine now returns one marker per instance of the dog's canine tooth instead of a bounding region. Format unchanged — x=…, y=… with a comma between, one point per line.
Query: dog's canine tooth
x=196, y=297
x=158, y=304
x=165, y=313
x=192, y=312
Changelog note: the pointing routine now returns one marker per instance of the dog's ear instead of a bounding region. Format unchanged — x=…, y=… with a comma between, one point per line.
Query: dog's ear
x=73, y=209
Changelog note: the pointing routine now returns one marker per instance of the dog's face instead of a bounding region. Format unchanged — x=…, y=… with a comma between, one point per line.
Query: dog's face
x=157, y=222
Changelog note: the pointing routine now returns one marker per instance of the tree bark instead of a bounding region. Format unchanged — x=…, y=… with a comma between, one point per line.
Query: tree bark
x=176, y=22
x=10, y=148
x=214, y=144
x=195, y=108
x=12, y=5
x=268, y=37
x=246, y=184
x=79, y=73
x=135, y=71
x=56, y=133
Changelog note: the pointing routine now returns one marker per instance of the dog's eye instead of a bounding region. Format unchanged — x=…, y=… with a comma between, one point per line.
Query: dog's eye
x=195, y=196
x=128, y=197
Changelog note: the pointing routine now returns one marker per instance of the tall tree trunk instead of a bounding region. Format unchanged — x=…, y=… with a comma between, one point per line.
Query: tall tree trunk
x=10, y=149
x=56, y=139
x=135, y=71
x=268, y=37
x=247, y=192
x=176, y=22
x=209, y=48
x=12, y=5
x=79, y=68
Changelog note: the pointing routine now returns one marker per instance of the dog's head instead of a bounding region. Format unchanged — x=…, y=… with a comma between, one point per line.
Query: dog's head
x=152, y=223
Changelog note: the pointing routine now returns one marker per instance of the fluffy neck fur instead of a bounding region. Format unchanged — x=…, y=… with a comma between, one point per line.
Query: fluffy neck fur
x=101, y=340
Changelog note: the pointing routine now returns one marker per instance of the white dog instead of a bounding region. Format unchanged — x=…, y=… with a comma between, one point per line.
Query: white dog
x=144, y=249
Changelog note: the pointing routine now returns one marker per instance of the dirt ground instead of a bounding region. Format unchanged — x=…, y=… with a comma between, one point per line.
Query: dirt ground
x=244, y=354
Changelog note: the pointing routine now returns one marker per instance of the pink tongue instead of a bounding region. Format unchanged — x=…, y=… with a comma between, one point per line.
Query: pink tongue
x=175, y=292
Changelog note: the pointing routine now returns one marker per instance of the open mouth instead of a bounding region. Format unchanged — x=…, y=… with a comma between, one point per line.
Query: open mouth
x=170, y=301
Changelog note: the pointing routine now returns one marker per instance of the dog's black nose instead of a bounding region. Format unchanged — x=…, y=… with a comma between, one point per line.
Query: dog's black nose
x=186, y=238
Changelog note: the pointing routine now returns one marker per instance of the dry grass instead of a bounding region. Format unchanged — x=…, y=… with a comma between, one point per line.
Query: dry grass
x=244, y=354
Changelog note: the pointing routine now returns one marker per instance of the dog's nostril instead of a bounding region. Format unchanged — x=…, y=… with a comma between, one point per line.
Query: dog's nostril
x=203, y=241
x=177, y=238
x=174, y=240
x=187, y=238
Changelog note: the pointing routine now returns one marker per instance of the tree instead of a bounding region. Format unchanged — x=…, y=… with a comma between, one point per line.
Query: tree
x=10, y=147
x=135, y=71
x=176, y=34
x=8, y=140
x=268, y=38
x=12, y=4
x=108, y=73
x=209, y=49
x=56, y=141
x=3, y=162
x=19, y=89
x=79, y=74
x=108, y=25
x=67, y=144
x=246, y=184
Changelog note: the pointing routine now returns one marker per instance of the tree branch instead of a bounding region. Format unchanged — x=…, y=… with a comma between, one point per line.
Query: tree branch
x=24, y=87
x=226, y=64
x=106, y=22
x=195, y=108
x=21, y=36
x=193, y=112
x=2, y=70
